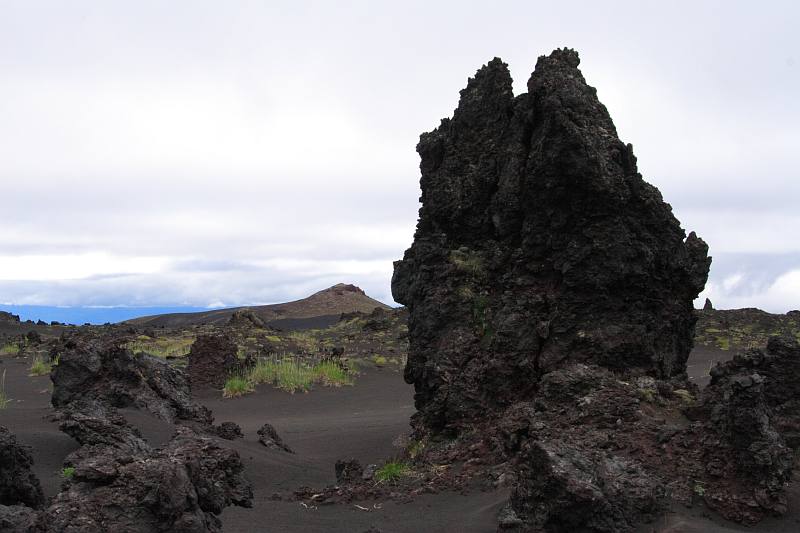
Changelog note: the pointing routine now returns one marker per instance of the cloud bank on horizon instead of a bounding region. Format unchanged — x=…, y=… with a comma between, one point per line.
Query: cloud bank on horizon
x=190, y=153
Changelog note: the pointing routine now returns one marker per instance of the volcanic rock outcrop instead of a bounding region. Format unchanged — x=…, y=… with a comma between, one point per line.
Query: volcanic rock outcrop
x=211, y=358
x=18, y=485
x=118, y=481
x=538, y=244
x=113, y=375
x=550, y=292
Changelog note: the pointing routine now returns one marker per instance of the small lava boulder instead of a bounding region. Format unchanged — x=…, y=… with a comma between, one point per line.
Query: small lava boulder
x=270, y=438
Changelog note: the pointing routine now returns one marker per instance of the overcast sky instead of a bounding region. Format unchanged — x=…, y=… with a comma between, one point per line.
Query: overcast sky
x=231, y=153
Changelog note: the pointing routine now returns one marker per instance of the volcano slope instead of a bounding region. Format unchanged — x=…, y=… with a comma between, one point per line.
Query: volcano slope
x=550, y=293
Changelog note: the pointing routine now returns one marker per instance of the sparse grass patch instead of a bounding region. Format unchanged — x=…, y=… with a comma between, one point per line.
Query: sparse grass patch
x=237, y=385
x=305, y=340
x=647, y=395
x=392, y=472
x=379, y=360
x=273, y=338
x=68, y=472
x=415, y=448
x=10, y=349
x=287, y=374
x=468, y=262
x=4, y=399
x=331, y=374
x=685, y=396
x=40, y=367
x=161, y=346
x=699, y=488
x=292, y=375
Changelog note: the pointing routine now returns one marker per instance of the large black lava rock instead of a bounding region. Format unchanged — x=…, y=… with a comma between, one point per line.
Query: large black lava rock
x=538, y=243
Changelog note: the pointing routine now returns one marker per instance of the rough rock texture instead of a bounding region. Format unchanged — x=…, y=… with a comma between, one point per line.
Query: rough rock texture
x=245, y=318
x=18, y=485
x=106, y=372
x=348, y=471
x=270, y=438
x=211, y=359
x=748, y=422
x=708, y=306
x=120, y=483
x=778, y=368
x=563, y=488
x=179, y=488
x=17, y=518
x=538, y=244
x=229, y=431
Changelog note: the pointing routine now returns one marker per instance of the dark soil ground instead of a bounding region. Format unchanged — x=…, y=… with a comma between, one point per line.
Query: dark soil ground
x=363, y=421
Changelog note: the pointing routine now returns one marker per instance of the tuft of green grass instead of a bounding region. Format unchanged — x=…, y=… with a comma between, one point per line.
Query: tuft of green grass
x=237, y=385
x=292, y=375
x=287, y=374
x=379, y=360
x=39, y=367
x=10, y=349
x=468, y=262
x=273, y=338
x=392, y=472
x=4, y=399
x=67, y=472
x=685, y=396
x=331, y=374
x=699, y=488
x=161, y=346
x=415, y=448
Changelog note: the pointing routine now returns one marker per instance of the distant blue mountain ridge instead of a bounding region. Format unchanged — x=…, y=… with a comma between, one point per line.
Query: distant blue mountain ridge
x=90, y=315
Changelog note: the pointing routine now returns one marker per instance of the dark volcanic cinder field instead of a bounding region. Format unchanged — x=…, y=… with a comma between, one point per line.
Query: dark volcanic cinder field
x=367, y=421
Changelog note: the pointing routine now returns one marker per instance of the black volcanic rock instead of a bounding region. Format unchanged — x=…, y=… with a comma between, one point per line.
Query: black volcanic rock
x=563, y=488
x=181, y=487
x=268, y=436
x=10, y=318
x=778, y=371
x=538, y=244
x=708, y=306
x=119, y=482
x=113, y=375
x=18, y=484
x=245, y=318
x=211, y=359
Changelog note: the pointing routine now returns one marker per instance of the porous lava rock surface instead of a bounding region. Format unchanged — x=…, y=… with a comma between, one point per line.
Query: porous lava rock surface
x=538, y=244
x=180, y=487
x=268, y=436
x=118, y=481
x=18, y=484
x=103, y=370
x=211, y=358
x=746, y=431
x=550, y=292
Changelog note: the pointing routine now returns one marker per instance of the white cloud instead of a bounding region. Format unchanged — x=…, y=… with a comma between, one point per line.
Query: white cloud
x=170, y=153
x=69, y=267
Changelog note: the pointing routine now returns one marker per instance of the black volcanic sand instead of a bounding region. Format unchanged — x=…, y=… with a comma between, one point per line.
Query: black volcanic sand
x=322, y=426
